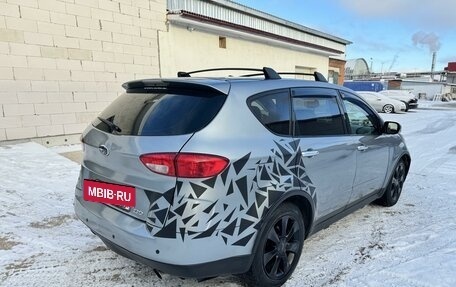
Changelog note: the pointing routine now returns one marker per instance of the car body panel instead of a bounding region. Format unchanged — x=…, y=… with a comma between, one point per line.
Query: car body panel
x=334, y=155
x=122, y=166
x=370, y=177
x=216, y=218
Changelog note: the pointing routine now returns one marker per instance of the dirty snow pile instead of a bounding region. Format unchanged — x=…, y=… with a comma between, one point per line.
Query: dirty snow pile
x=410, y=244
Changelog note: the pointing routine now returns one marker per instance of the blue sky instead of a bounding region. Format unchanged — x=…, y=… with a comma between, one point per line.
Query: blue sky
x=407, y=30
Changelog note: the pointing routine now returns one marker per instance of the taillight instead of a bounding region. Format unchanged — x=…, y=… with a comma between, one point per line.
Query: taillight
x=190, y=165
x=162, y=163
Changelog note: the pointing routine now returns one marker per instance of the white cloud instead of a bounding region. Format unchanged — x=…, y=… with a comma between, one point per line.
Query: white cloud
x=438, y=14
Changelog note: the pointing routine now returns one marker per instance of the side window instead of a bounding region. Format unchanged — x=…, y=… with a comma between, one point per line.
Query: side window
x=316, y=112
x=359, y=120
x=273, y=111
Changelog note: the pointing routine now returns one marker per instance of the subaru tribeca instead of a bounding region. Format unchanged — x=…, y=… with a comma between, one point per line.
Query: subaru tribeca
x=200, y=177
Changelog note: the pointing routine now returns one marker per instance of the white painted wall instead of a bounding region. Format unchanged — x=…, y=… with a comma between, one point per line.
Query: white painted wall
x=184, y=50
x=431, y=89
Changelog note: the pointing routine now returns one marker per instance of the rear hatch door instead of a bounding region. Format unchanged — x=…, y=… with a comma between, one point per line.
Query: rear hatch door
x=154, y=120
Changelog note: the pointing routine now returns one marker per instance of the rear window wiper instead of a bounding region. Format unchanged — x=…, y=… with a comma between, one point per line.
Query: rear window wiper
x=112, y=126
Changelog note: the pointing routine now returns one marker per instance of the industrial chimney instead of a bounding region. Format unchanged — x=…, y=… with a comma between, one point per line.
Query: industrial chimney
x=434, y=54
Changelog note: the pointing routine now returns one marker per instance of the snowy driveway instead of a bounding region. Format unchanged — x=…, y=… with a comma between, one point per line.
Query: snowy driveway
x=410, y=244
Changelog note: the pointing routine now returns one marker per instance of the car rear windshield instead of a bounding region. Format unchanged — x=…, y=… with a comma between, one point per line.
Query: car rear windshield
x=159, y=114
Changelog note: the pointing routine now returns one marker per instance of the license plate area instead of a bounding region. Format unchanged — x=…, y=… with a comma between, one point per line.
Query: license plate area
x=108, y=193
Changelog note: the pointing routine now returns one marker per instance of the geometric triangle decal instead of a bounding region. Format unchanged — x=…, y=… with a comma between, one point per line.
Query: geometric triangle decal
x=187, y=219
x=282, y=170
x=224, y=175
x=168, y=195
x=180, y=210
x=213, y=216
x=273, y=196
x=294, y=144
x=210, y=207
x=228, y=218
x=229, y=230
x=240, y=163
x=244, y=225
x=182, y=233
x=210, y=182
x=208, y=232
x=198, y=189
x=169, y=231
x=265, y=174
x=242, y=185
x=243, y=241
x=252, y=211
x=161, y=214
x=230, y=189
x=260, y=198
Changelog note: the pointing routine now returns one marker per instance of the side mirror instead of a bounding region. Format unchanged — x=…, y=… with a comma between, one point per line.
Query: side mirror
x=391, y=128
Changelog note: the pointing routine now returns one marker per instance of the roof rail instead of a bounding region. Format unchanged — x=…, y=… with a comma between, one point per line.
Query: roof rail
x=317, y=76
x=269, y=73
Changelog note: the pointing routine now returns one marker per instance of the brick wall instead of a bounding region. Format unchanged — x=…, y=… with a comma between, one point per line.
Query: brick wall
x=62, y=61
x=340, y=65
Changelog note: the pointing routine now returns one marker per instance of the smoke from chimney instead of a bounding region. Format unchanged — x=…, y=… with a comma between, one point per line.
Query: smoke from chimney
x=433, y=64
x=430, y=40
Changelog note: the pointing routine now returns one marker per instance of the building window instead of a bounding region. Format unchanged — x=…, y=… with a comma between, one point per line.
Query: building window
x=222, y=42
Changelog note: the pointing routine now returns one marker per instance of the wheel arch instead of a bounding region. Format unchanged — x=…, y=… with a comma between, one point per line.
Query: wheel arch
x=408, y=160
x=302, y=200
x=306, y=206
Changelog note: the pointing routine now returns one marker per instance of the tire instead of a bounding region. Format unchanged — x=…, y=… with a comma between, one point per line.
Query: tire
x=388, y=109
x=394, y=189
x=279, y=247
x=407, y=106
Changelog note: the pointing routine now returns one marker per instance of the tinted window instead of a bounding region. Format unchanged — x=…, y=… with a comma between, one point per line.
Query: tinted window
x=154, y=114
x=359, y=120
x=273, y=111
x=358, y=113
x=316, y=112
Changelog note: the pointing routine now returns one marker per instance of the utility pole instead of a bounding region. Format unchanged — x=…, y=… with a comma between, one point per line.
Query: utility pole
x=371, y=64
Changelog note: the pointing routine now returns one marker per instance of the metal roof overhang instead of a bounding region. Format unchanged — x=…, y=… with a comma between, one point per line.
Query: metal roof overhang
x=195, y=21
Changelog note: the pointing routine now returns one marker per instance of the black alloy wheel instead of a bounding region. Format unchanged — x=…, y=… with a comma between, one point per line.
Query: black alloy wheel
x=279, y=247
x=394, y=189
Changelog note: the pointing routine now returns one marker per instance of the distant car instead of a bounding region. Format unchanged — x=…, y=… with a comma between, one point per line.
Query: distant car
x=407, y=97
x=382, y=103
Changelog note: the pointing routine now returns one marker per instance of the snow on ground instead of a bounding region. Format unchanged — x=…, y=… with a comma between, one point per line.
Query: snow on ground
x=410, y=244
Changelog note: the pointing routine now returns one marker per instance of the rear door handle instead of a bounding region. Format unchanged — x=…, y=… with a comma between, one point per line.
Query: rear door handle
x=362, y=147
x=310, y=153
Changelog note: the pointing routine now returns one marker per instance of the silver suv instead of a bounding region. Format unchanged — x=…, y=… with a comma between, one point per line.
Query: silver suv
x=200, y=177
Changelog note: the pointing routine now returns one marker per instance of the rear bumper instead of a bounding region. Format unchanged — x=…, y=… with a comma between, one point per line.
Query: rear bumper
x=233, y=265
x=129, y=237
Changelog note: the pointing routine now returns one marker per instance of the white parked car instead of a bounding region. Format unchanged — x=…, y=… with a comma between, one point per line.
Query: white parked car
x=406, y=97
x=382, y=103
